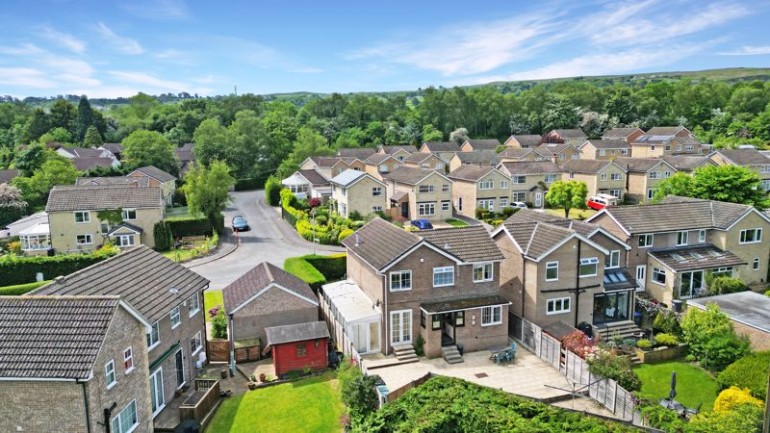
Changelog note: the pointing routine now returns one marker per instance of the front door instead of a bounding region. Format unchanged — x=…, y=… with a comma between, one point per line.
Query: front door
x=641, y=273
x=179, y=368
x=156, y=391
x=448, y=329
x=401, y=327
x=405, y=210
x=538, y=199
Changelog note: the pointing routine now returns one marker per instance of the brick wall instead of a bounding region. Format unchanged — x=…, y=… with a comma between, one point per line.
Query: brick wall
x=275, y=307
x=42, y=407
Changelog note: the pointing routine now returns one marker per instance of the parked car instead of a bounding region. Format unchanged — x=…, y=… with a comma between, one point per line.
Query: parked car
x=422, y=224
x=519, y=204
x=240, y=224
x=600, y=201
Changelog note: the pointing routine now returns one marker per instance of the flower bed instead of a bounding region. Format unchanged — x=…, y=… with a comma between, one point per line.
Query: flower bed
x=662, y=353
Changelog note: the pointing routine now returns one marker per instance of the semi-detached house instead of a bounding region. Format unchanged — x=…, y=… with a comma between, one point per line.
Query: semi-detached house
x=477, y=187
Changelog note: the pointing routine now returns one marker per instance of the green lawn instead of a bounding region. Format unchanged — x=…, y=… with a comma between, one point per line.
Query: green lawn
x=456, y=223
x=574, y=214
x=212, y=298
x=310, y=405
x=693, y=385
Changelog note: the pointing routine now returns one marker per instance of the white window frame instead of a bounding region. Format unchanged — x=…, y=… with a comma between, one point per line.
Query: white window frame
x=176, y=317
x=549, y=178
x=489, y=312
x=757, y=238
x=154, y=330
x=85, y=216
x=518, y=180
x=614, y=260
x=425, y=189
x=519, y=196
x=400, y=274
x=110, y=375
x=193, y=305
x=445, y=187
x=602, y=152
x=444, y=270
x=682, y=238
x=125, y=240
x=195, y=348
x=654, y=175
x=603, y=177
x=426, y=209
x=128, y=357
x=126, y=214
x=558, y=306
x=376, y=191
x=487, y=272
x=658, y=271
x=549, y=266
x=503, y=184
x=376, y=208
x=701, y=236
x=401, y=315
x=446, y=205
x=487, y=185
x=649, y=240
x=503, y=202
x=587, y=261
x=756, y=263
x=88, y=239
x=117, y=424
x=650, y=193
x=616, y=176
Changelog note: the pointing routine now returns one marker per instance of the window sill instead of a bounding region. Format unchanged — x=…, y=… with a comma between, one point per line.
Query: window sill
x=112, y=385
x=196, y=351
x=176, y=326
x=149, y=348
x=483, y=281
x=551, y=280
x=194, y=312
x=491, y=324
x=443, y=285
x=130, y=370
x=553, y=313
x=400, y=290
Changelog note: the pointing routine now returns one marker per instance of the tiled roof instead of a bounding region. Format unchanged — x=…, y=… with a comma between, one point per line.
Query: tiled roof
x=690, y=214
x=377, y=158
x=297, y=332
x=478, y=157
x=7, y=175
x=570, y=133
x=314, y=177
x=357, y=152
x=744, y=156
x=260, y=277
x=185, y=153
x=528, y=215
x=537, y=238
x=548, y=149
x=83, y=152
x=530, y=167
x=585, y=165
x=484, y=144
x=408, y=175
x=526, y=140
x=88, y=163
x=685, y=162
x=380, y=242
x=115, y=148
x=347, y=177
x=448, y=305
x=98, y=197
x=618, y=133
x=443, y=146
x=417, y=157
x=141, y=182
x=52, y=337
x=470, y=244
x=638, y=165
x=325, y=161
x=396, y=147
x=155, y=173
x=145, y=279
x=665, y=130
x=470, y=172
x=696, y=257
x=608, y=144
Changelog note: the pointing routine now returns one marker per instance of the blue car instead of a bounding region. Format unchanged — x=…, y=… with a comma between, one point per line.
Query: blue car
x=240, y=224
x=422, y=224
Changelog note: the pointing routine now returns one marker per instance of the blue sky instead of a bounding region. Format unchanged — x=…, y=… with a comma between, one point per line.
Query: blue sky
x=113, y=48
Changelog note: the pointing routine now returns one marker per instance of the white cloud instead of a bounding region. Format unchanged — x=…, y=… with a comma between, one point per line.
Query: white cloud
x=65, y=40
x=123, y=44
x=26, y=77
x=748, y=50
x=148, y=80
x=26, y=49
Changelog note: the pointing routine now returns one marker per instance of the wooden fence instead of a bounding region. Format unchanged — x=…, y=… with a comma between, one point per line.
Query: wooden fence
x=396, y=393
x=218, y=350
x=201, y=401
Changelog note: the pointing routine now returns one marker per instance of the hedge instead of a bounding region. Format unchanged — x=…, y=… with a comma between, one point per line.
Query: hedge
x=249, y=183
x=189, y=226
x=302, y=269
x=333, y=267
x=21, y=289
x=317, y=270
x=23, y=270
x=748, y=372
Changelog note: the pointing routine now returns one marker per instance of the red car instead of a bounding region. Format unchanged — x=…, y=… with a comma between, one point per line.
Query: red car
x=600, y=201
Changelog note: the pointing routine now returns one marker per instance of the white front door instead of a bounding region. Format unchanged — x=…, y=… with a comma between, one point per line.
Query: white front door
x=538, y=199
x=401, y=327
x=156, y=391
x=641, y=273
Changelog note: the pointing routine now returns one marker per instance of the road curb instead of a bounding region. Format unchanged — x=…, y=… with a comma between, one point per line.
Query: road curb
x=214, y=257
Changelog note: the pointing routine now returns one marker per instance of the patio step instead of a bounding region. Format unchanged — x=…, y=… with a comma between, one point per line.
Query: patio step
x=451, y=354
x=405, y=353
x=621, y=329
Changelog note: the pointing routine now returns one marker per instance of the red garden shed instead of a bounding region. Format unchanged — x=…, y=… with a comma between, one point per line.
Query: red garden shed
x=299, y=346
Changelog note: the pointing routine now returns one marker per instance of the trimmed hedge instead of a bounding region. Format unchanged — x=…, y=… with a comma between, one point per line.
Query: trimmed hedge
x=317, y=270
x=748, y=372
x=21, y=289
x=249, y=183
x=189, y=226
x=23, y=270
x=333, y=267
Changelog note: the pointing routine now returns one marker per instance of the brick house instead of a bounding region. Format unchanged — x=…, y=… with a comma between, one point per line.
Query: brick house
x=558, y=153
x=298, y=347
x=74, y=364
x=330, y=166
x=418, y=193
x=561, y=270
x=445, y=150
x=626, y=134
x=157, y=178
x=666, y=140
x=479, y=187
x=381, y=163
x=675, y=243
x=572, y=137
x=604, y=149
x=474, y=145
x=643, y=176
x=687, y=163
x=75, y=225
x=400, y=152
x=356, y=191
x=530, y=180
x=750, y=158
x=601, y=177
x=168, y=295
x=441, y=285
x=265, y=296
x=480, y=158
x=428, y=161
x=523, y=141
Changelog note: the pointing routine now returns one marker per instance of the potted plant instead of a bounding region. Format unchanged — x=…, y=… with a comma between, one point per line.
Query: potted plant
x=262, y=377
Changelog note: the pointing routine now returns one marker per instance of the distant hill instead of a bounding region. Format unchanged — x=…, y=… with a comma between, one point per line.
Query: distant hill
x=729, y=75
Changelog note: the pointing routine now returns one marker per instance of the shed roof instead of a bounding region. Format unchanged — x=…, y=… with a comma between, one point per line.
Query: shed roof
x=256, y=280
x=296, y=332
x=696, y=257
x=351, y=302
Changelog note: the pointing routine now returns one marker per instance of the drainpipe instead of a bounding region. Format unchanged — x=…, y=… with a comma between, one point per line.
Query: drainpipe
x=385, y=313
x=231, y=337
x=85, y=404
x=523, y=283
x=107, y=414
x=577, y=285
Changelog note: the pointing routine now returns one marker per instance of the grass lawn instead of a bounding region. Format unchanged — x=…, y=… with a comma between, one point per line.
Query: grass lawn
x=212, y=298
x=456, y=223
x=693, y=385
x=574, y=214
x=310, y=405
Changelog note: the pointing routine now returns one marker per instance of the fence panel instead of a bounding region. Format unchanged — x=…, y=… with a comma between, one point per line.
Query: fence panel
x=550, y=350
x=577, y=369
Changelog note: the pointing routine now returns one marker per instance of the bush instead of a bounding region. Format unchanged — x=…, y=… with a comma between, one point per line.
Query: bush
x=748, y=372
x=711, y=338
x=666, y=322
x=23, y=270
x=321, y=219
x=344, y=234
x=723, y=285
x=189, y=226
x=419, y=346
x=666, y=340
x=355, y=215
x=163, y=238
x=21, y=289
x=273, y=191
x=744, y=418
x=644, y=344
x=249, y=183
x=617, y=368
x=734, y=396
x=219, y=324
x=360, y=396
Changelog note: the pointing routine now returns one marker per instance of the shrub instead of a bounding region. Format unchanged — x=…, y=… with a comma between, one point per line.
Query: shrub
x=745, y=418
x=14, y=247
x=734, y=396
x=644, y=344
x=666, y=322
x=711, y=338
x=344, y=234
x=219, y=324
x=748, y=372
x=723, y=285
x=360, y=396
x=578, y=343
x=189, y=226
x=249, y=183
x=314, y=202
x=163, y=238
x=617, y=368
x=273, y=191
x=767, y=292
x=419, y=346
x=21, y=289
x=666, y=340
x=355, y=215
x=321, y=219
x=23, y=270
x=411, y=229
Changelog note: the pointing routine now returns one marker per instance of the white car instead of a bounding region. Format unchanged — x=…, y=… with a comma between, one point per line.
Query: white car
x=519, y=204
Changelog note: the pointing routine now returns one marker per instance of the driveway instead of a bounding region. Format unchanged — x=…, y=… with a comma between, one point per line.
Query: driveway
x=270, y=239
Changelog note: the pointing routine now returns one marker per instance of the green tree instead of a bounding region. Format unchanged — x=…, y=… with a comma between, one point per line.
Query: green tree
x=63, y=115
x=711, y=338
x=38, y=124
x=149, y=148
x=56, y=170
x=207, y=190
x=30, y=159
x=430, y=133
x=84, y=119
x=730, y=183
x=679, y=184
x=360, y=396
x=567, y=195
x=92, y=137
x=141, y=105
x=308, y=143
x=273, y=191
